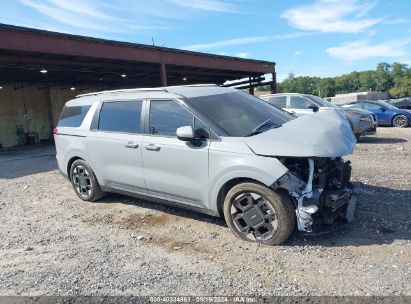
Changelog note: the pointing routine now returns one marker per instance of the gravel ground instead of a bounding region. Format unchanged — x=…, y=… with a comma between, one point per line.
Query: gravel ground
x=52, y=243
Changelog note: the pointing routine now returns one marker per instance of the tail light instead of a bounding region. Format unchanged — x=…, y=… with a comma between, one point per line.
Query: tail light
x=351, y=112
x=55, y=131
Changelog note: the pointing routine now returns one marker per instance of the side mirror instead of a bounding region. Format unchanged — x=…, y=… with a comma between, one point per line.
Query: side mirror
x=185, y=133
x=382, y=109
x=313, y=107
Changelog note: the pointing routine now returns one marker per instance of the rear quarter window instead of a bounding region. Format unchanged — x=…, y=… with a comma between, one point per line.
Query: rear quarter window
x=73, y=116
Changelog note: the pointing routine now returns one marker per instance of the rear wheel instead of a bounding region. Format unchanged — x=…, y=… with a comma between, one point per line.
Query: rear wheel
x=84, y=181
x=400, y=121
x=255, y=213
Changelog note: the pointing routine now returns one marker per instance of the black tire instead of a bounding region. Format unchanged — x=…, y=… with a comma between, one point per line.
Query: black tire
x=84, y=181
x=272, y=213
x=400, y=121
x=357, y=136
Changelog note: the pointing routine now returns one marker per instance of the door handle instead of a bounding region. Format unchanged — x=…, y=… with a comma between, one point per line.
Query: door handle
x=131, y=144
x=153, y=147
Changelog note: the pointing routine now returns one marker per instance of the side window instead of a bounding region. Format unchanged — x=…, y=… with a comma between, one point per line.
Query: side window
x=298, y=102
x=166, y=116
x=120, y=116
x=371, y=106
x=353, y=105
x=279, y=101
x=73, y=116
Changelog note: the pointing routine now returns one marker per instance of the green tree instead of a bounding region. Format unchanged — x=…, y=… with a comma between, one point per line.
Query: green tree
x=402, y=88
x=326, y=87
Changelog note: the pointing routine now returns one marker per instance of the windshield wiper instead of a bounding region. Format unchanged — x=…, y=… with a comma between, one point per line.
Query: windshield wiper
x=268, y=124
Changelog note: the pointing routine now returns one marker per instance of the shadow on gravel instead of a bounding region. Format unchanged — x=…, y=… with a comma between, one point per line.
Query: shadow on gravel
x=36, y=164
x=381, y=140
x=383, y=216
x=112, y=198
x=27, y=161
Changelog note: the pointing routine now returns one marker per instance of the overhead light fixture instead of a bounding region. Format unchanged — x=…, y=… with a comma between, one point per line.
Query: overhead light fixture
x=72, y=88
x=43, y=71
x=1, y=88
x=124, y=75
x=184, y=78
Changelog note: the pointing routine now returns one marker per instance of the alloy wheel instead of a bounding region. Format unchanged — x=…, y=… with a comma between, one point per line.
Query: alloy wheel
x=82, y=181
x=400, y=121
x=254, y=217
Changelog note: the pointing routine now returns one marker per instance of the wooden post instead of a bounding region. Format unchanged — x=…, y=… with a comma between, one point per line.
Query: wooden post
x=163, y=75
x=274, y=83
x=251, y=89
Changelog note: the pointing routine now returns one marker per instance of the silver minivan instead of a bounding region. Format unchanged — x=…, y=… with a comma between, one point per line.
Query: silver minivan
x=212, y=149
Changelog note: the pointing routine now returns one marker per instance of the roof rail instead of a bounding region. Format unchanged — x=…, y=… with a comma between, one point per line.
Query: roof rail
x=125, y=91
x=160, y=89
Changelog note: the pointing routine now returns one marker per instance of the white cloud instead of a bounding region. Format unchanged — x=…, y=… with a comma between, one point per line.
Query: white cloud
x=362, y=49
x=242, y=41
x=67, y=14
x=207, y=5
x=241, y=54
x=298, y=53
x=342, y=16
x=81, y=7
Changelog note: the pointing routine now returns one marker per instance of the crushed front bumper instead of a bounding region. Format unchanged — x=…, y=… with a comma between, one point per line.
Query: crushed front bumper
x=323, y=196
x=332, y=206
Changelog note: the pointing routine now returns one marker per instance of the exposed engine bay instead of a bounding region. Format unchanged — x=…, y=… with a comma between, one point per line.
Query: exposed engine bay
x=321, y=191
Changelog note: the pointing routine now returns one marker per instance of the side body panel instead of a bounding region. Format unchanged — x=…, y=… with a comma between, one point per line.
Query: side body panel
x=231, y=158
x=176, y=170
x=117, y=159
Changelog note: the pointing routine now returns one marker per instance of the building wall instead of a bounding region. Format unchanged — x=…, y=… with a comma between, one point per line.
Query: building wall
x=28, y=108
x=34, y=109
x=345, y=98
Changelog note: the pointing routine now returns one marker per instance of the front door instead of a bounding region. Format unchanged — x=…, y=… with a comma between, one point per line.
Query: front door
x=115, y=147
x=383, y=114
x=173, y=169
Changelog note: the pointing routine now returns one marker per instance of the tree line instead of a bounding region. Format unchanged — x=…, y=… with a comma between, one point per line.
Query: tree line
x=392, y=78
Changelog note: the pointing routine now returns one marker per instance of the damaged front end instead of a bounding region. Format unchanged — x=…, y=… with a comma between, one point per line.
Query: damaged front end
x=321, y=191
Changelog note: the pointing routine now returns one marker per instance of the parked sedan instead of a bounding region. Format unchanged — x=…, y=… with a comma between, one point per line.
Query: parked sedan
x=361, y=121
x=387, y=115
x=404, y=103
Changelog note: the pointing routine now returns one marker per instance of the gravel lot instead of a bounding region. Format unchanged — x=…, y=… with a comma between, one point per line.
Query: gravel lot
x=52, y=243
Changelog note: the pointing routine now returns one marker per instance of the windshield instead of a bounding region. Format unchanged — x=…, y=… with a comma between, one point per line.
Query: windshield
x=322, y=102
x=239, y=114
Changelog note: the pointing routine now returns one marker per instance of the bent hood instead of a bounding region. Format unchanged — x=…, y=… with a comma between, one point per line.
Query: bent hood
x=323, y=134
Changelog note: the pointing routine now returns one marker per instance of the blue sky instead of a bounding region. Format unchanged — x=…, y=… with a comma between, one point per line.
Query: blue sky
x=316, y=38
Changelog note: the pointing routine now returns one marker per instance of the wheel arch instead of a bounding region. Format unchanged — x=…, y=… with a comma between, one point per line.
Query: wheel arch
x=227, y=186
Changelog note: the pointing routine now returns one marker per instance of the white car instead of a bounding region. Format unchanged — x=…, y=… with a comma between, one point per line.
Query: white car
x=361, y=121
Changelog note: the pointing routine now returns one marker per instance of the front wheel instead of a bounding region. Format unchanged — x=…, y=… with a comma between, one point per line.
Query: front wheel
x=255, y=213
x=84, y=181
x=400, y=121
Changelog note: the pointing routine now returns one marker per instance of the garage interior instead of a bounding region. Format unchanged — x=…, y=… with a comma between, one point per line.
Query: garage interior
x=41, y=70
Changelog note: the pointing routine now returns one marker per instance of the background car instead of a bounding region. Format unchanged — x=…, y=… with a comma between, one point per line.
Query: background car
x=362, y=122
x=404, y=103
x=387, y=114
